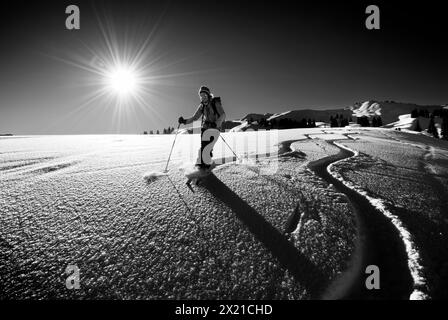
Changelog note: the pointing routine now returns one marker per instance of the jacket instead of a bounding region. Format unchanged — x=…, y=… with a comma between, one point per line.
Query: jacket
x=210, y=117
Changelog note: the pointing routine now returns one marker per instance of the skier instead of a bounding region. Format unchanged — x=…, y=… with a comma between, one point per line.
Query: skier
x=213, y=117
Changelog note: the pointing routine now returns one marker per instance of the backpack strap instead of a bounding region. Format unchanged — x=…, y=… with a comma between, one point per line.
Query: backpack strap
x=202, y=118
x=214, y=101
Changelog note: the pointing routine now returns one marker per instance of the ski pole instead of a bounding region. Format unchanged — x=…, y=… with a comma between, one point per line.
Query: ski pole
x=177, y=131
x=229, y=147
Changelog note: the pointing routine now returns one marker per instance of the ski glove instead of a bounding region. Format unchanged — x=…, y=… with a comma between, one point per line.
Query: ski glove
x=182, y=120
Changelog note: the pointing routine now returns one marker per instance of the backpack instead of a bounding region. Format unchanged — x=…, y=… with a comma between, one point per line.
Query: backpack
x=213, y=102
x=215, y=110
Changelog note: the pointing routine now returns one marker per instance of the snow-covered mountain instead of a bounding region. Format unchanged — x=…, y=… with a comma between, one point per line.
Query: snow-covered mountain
x=256, y=116
x=251, y=121
x=390, y=111
x=405, y=121
x=317, y=115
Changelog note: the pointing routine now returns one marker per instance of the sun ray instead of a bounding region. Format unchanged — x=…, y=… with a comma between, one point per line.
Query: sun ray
x=179, y=74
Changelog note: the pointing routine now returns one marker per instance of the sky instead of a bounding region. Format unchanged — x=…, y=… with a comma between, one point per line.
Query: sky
x=258, y=56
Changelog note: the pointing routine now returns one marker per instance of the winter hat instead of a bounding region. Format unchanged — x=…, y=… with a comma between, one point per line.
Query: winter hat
x=204, y=89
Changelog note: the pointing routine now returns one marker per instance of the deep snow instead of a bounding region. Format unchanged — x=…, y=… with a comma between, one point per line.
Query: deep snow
x=83, y=200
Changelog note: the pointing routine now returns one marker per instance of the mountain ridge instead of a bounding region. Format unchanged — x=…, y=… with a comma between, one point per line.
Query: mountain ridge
x=388, y=110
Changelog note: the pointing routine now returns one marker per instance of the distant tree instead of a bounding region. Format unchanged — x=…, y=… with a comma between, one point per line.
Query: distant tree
x=363, y=121
x=314, y=123
x=417, y=126
x=434, y=132
x=164, y=131
x=437, y=113
x=421, y=113
x=445, y=127
x=151, y=132
x=157, y=132
x=414, y=113
x=334, y=122
x=379, y=122
x=351, y=120
x=344, y=122
x=366, y=122
x=431, y=126
x=145, y=132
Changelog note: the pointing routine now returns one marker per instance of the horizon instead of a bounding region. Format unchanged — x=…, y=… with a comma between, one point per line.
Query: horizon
x=233, y=119
x=262, y=58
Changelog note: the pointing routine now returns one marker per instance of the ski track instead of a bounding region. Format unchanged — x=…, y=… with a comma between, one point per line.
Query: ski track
x=341, y=284
x=430, y=153
x=413, y=254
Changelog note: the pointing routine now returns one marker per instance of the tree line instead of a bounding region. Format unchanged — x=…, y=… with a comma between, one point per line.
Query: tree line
x=365, y=122
x=415, y=113
x=168, y=130
x=284, y=123
x=339, y=121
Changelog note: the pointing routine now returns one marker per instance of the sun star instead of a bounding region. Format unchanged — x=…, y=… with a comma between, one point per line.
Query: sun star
x=122, y=80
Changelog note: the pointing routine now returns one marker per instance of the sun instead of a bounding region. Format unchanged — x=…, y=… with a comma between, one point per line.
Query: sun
x=122, y=80
x=124, y=73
